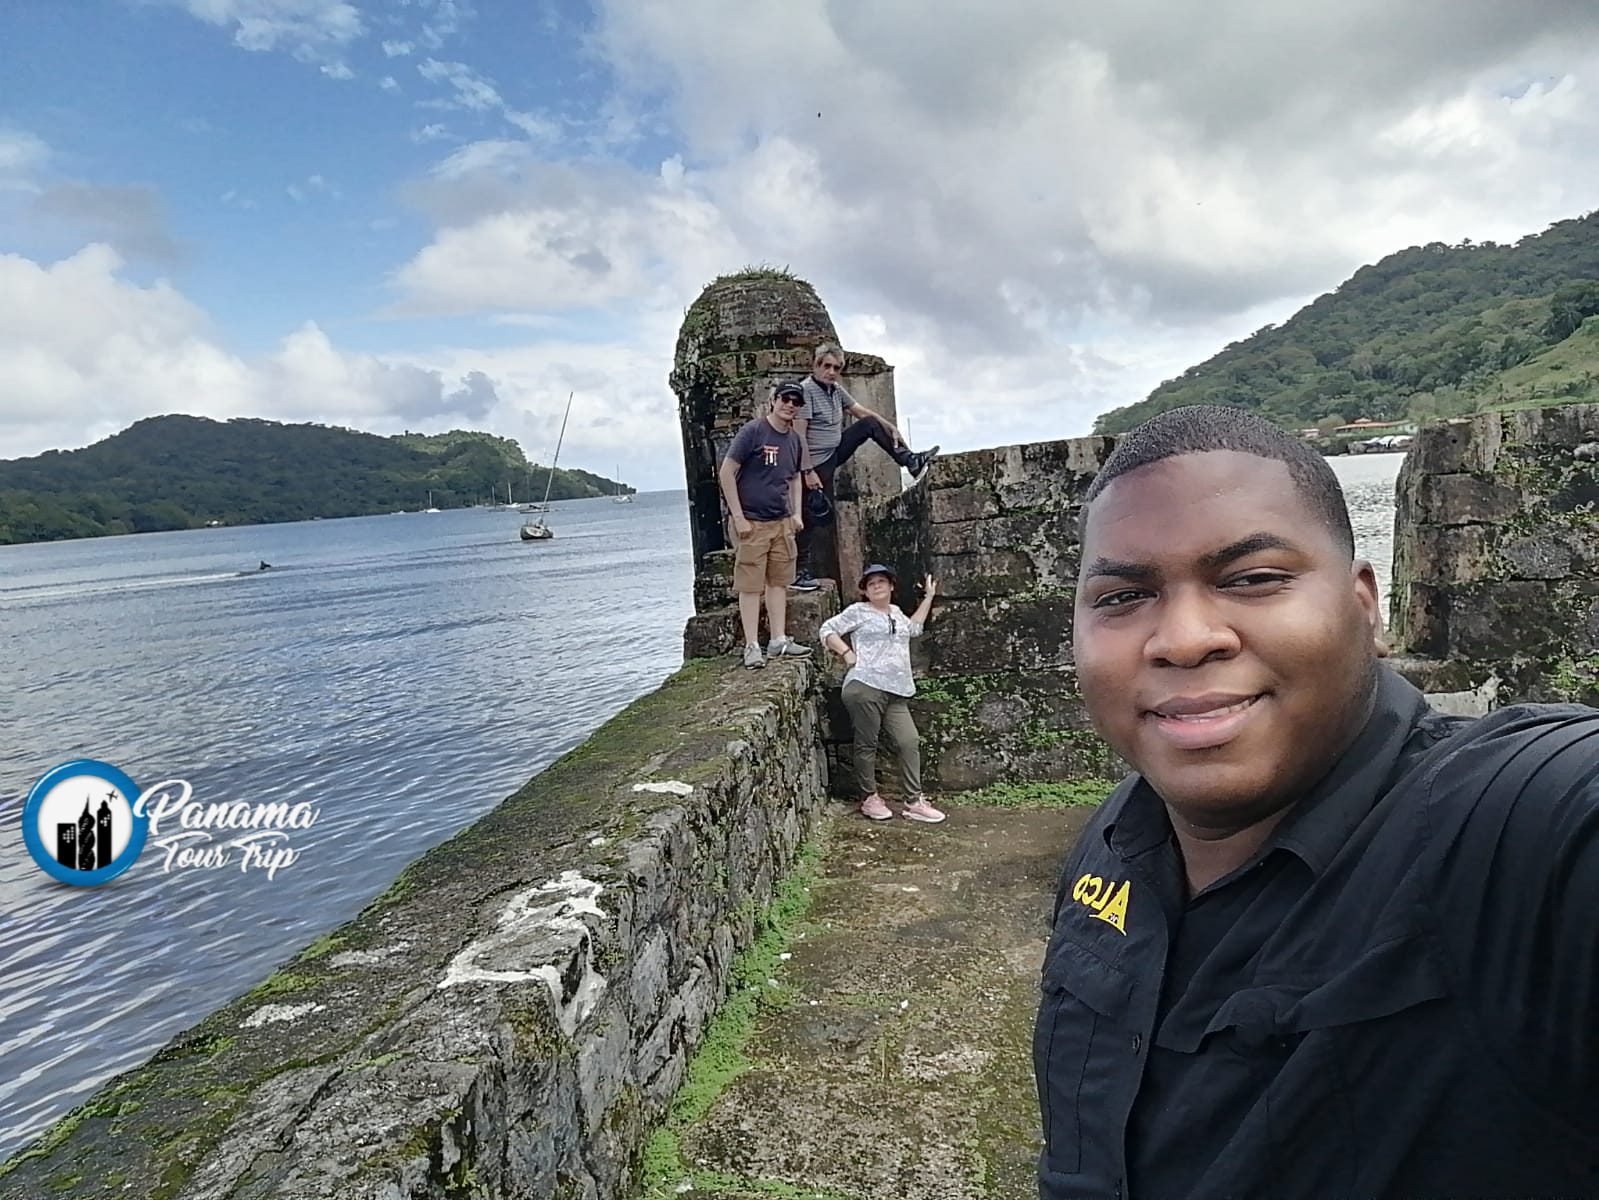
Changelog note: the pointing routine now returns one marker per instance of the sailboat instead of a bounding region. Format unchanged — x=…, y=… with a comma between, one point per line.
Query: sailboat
x=430, y=507
x=538, y=531
x=621, y=497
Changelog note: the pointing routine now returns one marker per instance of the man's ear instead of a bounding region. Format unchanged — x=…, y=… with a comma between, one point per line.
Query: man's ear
x=1364, y=580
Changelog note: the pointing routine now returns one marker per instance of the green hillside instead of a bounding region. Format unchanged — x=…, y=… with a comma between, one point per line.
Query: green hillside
x=179, y=472
x=1428, y=332
x=1566, y=371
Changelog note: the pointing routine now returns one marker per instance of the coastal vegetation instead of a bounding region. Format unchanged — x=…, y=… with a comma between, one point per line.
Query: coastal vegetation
x=182, y=472
x=1429, y=332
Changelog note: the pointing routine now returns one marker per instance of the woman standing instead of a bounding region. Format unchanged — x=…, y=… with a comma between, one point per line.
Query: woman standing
x=878, y=684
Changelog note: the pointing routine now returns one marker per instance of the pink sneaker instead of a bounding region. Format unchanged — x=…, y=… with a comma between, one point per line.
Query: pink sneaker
x=875, y=807
x=920, y=810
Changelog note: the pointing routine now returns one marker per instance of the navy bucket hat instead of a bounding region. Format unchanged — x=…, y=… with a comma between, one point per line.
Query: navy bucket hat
x=878, y=569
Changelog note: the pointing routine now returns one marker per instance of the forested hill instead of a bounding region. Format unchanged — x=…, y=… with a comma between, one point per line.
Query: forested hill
x=1428, y=332
x=178, y=472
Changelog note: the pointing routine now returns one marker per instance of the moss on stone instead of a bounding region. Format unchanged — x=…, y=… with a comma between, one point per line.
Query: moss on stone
x=720, y=1057
x=1071, y=793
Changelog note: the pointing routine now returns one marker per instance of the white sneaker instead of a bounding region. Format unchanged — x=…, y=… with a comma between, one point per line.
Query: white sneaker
x=787, y=648
x=753, y=658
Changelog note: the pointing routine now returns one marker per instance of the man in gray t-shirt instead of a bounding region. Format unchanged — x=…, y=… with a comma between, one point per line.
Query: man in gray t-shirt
x=829, y=442
x=759, y=477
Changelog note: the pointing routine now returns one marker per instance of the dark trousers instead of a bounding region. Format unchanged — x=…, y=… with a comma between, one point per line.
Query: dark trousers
x=856, y=434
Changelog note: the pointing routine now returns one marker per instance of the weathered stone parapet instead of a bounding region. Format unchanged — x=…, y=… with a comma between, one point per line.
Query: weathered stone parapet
x=511, y=1018
x=998, y=698
x=1496, y=553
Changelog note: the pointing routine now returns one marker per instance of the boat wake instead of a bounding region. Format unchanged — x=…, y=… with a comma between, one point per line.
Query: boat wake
x=53, y=592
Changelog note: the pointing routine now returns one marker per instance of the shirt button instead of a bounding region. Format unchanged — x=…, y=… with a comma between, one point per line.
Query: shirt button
x=1138, y=1042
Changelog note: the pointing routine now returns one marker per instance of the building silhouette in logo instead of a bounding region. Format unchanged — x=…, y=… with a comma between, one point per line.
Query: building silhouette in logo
x=102, y=831
x=85, y=844
x=67, y=844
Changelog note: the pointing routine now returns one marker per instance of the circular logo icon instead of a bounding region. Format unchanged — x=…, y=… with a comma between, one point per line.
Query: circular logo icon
x=79, y=824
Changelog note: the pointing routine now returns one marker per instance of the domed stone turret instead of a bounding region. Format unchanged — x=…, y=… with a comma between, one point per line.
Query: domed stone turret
x=744, y=334
x=751, y=311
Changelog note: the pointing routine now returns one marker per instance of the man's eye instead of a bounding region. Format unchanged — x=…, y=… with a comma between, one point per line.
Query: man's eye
x=1118, y=599
x=1257, y=579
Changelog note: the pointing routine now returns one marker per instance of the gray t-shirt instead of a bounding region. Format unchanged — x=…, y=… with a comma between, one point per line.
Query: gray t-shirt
x=824, y=409
x=767, y=462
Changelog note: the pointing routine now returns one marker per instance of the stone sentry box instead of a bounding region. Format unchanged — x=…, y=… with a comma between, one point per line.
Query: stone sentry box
x=744, y=334
x=998, y=696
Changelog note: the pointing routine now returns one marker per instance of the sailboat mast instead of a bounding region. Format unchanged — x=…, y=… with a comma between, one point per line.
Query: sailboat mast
x=559, y=439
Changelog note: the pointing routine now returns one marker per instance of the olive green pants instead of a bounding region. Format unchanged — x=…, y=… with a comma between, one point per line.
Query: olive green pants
x=872, y=711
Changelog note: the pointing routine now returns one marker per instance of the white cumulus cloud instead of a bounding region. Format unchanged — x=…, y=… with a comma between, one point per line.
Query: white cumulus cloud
x=84, y=352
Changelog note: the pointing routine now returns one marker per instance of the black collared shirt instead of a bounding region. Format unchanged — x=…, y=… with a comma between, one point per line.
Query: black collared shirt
x=1398, y=997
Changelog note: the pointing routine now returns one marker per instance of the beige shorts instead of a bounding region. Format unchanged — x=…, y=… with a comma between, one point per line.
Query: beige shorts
x=764, y=557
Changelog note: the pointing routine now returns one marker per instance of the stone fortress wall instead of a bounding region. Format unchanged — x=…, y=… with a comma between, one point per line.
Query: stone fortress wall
x=512, y=1020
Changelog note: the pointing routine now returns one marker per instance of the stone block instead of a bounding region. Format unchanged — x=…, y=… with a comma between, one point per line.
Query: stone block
x=1419, y=619
x=1538, y=557
x=961, y=470
x=1012, y=726
x=969, y=503
x=1048, y=541
x=713, y=582
x=1048, y=475
x=1496, y=621
x=1466, y=500
x=1464, y=445
x=1450, y=554
x=718, y=631
x=984, y=573
x=970, y=636
x=652, y=966
x=1559, y=426
x=602, y=1067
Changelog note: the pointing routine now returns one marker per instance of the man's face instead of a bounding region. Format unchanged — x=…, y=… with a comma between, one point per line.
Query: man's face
x=784, y=408
x=829, y=368
x=1224, y=642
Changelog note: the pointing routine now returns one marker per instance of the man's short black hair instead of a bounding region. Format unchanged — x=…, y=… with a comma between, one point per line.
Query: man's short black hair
x=1202, y=427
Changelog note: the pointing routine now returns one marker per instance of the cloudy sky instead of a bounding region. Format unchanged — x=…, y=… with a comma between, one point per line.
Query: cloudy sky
x=428, y=214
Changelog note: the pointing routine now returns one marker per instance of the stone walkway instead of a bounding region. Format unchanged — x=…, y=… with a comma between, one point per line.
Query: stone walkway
x=895, y=1063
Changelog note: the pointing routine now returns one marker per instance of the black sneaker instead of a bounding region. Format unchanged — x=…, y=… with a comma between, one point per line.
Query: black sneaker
x=918, y=461
x=804, y=582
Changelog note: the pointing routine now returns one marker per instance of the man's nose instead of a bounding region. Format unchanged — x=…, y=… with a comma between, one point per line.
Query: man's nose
x=1190, y=629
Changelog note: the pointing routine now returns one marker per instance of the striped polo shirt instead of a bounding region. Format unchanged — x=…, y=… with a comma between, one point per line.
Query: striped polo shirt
x=824, y=411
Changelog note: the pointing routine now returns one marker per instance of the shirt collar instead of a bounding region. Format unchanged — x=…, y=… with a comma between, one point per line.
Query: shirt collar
x=1322, y=822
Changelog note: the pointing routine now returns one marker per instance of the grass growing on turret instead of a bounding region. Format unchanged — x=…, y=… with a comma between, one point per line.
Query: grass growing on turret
x=720, y=1058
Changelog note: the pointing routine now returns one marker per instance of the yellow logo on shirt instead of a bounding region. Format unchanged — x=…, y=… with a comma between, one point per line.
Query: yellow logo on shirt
x=1107, y=899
